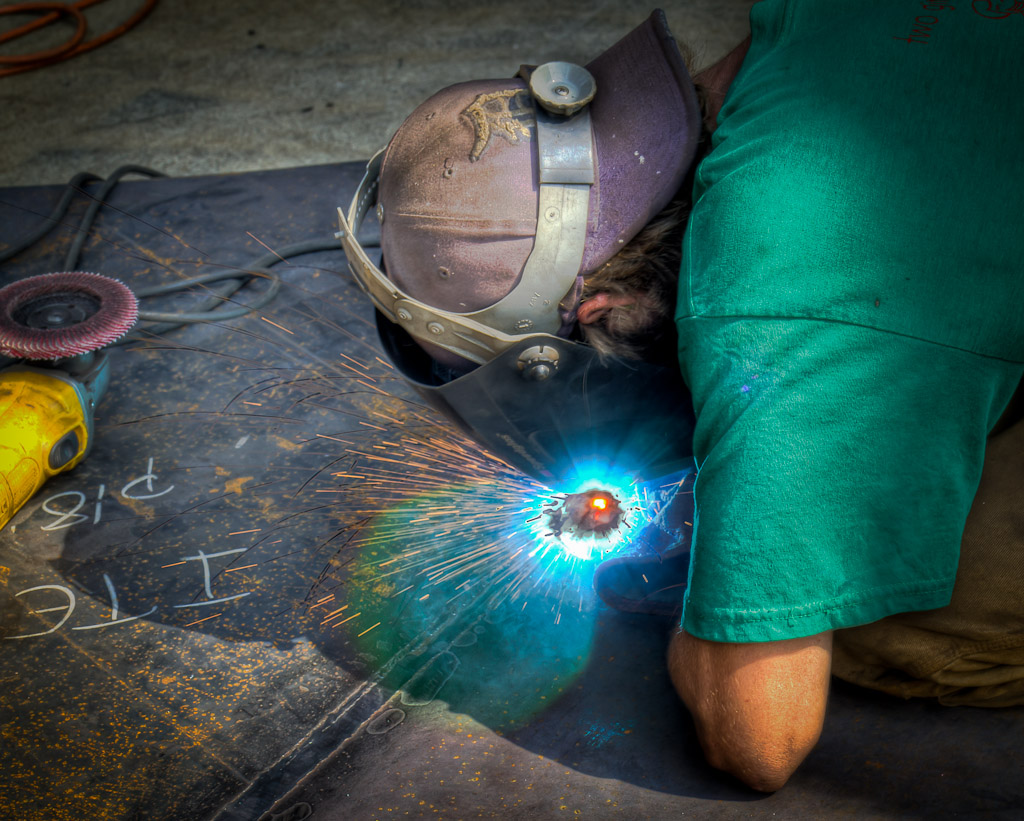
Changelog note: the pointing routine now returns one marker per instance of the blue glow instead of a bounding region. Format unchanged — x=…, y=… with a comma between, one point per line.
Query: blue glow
x=567, y=552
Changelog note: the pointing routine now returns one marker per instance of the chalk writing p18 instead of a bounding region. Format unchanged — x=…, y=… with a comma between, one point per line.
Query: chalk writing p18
x=140, y=488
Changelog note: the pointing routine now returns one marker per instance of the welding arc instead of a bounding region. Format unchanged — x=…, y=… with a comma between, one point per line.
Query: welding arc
x=54, y=316
x=73, y=46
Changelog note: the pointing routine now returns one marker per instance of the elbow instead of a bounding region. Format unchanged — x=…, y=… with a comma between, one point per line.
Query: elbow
x=762, y=757
x=765, y=770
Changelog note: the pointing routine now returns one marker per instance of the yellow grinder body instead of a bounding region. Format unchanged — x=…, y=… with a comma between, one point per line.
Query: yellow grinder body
x=45, y=428
x=54, y=327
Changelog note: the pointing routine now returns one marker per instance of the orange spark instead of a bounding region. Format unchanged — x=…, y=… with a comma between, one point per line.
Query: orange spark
x=198, y=621
x=333, y=438
x=277, y=326
x=348, y=619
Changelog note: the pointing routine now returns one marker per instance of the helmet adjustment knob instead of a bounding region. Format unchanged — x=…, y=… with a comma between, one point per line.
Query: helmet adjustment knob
x=562, y=88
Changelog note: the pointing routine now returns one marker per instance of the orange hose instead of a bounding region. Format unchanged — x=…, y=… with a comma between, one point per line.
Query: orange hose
x=56, y=10
x=74, y=46
x=45, y=20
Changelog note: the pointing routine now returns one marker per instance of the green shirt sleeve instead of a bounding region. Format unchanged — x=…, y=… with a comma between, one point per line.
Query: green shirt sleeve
x=836, y=467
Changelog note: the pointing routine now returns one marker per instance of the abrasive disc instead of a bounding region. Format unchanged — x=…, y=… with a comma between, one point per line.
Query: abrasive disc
x=54, y=316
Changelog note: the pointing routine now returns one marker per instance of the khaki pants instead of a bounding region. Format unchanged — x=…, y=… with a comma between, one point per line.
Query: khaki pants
x=971, y=651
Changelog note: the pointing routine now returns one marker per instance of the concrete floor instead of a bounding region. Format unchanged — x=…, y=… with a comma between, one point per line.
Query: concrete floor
x=201, y=87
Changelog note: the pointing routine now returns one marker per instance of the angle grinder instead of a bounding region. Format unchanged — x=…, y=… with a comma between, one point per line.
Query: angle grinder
x=52, y=331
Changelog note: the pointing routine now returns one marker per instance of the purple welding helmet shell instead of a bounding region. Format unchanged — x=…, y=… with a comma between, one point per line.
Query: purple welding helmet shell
x=459, y=180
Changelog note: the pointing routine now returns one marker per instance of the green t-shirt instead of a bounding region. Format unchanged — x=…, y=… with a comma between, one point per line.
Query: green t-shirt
x=851, y=310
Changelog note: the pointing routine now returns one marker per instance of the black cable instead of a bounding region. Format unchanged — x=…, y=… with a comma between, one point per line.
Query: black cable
x=256, y=267
x=98, y=200
x=63, y=204
x=208, y=312
x=232, y=279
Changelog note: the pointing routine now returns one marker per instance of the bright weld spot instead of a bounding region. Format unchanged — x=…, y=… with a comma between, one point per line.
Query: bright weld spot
x=569, y=553
x=575, y=547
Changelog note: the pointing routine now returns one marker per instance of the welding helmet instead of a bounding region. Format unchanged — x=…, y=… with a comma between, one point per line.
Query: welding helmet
x=495, y=198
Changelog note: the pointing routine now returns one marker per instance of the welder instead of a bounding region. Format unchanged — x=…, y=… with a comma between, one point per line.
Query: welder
x=836, y=203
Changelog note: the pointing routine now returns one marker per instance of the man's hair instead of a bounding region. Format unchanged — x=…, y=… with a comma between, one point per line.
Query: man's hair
x=645, y=273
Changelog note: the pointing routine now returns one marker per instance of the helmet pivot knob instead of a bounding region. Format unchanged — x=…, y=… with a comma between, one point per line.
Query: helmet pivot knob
x=538, y=362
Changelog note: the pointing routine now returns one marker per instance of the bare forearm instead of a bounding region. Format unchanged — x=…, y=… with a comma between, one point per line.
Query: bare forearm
x=758, y=708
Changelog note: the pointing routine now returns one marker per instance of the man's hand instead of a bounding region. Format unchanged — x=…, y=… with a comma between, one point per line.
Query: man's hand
x=758, y=708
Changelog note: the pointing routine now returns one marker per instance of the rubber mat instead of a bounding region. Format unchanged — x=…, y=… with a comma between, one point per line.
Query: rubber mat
x=281, y=588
